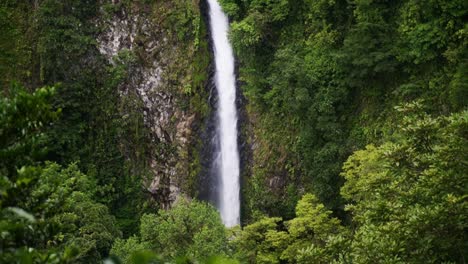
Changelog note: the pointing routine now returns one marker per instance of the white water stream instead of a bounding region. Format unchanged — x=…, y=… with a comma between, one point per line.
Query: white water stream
x=225, y=80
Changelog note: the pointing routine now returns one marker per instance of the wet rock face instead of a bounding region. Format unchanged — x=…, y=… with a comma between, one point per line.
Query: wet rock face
x=170, y=126
x=119, y=34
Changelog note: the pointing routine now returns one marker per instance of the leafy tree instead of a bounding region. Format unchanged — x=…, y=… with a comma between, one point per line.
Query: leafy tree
x=313, y=236
x=408, y=196
x=312, y=226
x=66, y=196
x=190, y=229
x=25, y=236
x=125, y=248
x=260, y=242
x=68, y=218
x=59, y=215
x=23, y=118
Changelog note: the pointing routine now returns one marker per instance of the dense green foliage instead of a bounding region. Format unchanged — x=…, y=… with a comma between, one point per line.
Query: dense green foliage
x=23, y=119
x=323, y=79
x=407, y=199
x=60, y=213
x=409, y=194
x=190, y=229
x=323, y=76
x=266, y=241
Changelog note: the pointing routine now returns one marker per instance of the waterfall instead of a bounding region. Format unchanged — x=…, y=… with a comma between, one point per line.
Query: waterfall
x=228, y=154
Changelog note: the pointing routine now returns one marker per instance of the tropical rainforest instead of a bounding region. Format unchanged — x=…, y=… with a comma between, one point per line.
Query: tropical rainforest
x=354, y=131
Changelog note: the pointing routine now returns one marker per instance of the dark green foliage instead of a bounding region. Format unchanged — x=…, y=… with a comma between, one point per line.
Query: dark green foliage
x=65, y=35
x=24, y=117
x=65, y=197
x=324, y=76
x=59, y=215
x=17, y=49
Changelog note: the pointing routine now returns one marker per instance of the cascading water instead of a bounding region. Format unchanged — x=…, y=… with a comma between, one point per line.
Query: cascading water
x=227, y=155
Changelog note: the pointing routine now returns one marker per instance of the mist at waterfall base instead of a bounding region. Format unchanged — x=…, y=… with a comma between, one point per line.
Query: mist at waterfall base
x=225, y=156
